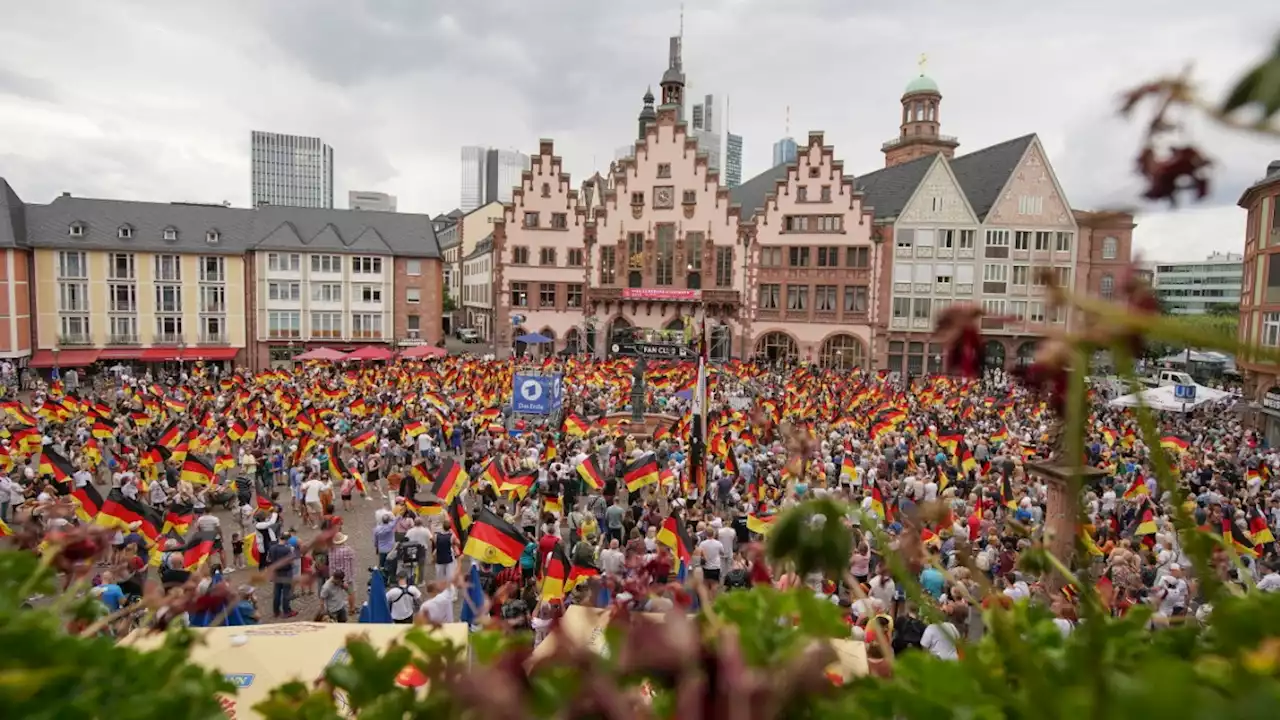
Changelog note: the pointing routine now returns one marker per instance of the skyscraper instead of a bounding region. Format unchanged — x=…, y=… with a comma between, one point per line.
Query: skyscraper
x=291, y=170
x=489, y=174
x=369, y=200
x=733, y=160
x=785, y=150
x=703, y=127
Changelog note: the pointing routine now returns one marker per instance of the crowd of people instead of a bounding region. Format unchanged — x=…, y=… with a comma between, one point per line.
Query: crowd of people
x=270, y=472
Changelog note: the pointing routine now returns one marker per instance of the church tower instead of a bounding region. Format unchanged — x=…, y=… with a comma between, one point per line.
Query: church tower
x=918, y=134
x=647, y=114
x=673, y=78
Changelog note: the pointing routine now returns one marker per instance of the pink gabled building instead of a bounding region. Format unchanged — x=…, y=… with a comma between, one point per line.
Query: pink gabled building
x=539, y=249
x=812, y=262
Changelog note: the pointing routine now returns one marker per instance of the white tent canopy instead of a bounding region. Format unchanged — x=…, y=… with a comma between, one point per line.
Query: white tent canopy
x=1162, y=398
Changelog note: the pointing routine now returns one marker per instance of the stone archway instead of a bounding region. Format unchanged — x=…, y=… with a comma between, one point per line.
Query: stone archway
x=994, y=354
x=573, y=340
x=547, y=349
x=842, y=351
x=777, y=347
x=1027, y=352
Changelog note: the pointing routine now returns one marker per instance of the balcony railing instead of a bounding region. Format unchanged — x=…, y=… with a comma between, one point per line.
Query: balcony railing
x=168, y=339
x=123, y=340
x=937, y=139
x=214, y=339
x=75, y=339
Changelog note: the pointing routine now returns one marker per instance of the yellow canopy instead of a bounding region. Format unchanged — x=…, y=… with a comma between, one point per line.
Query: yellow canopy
x=258, y=658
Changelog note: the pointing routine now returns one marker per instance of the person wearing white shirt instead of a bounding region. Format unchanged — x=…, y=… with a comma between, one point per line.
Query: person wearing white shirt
x=930, y=490
x=939, y=639
x=403, y=598
x=727, y=536
x=1270, y=580
x=438, y=609
x=712, y=553
x=82, y=477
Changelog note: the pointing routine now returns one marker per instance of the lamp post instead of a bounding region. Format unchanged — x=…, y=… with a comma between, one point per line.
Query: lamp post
x=182, y=350
x=56, y=371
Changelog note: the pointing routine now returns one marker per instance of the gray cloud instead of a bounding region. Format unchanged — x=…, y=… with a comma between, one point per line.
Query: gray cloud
x=397, y=86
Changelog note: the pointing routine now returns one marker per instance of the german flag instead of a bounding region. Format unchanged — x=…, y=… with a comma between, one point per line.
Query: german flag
x=5, y=530
x=1006, y=493
x=88, y=502
x=424, y=509
x=549, y=453
x=197, y=550
x=180, y=452
x=490, y=539
x=731, y=462
x=305, y=445
x=422, y=474
x=675, y=536
x=579, y=574
x=1109, y=437
x=848, y=469
x=641, y=472
x=52, y=463
x=170, y=437
x=1090, y=544
x=518, y=484
x=225, y=461
x=575, y=426
x=364, y=440
x=339, y=471
x=450, y=480
x=264, y=503
x=877, y=503
x=19, y=412
x=761, y=524
x=178, y=518
x=1137, y=488
x=552, y=504
x=93, y=452
x=1175, y=443
x=967, y=462
x=555, y=574
x=1235, y=537
x=590, y=473
x=119, y=511
x=101, y=430
x=415, y=428
x=154, y=455
x=460, y=519
x=197, y=471
x=1259, y=531
x=1146, y=524
x=1000, y=435
x=28, y=440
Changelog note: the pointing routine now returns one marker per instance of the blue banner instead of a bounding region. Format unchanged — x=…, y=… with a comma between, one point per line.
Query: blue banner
x=536, y=394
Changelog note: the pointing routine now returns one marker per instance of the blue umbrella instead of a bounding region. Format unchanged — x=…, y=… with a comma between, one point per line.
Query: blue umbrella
x=376, y=609
x=203, y=619
x=473, y=601
x=533, y=339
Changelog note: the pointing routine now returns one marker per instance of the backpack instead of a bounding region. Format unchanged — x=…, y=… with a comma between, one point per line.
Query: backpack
x=908, y=633
x=737, y=579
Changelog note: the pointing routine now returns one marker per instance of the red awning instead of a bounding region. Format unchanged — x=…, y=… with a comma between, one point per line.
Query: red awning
x=159, y=354
x=220, y=352
x=65, y=358
x=120, y=353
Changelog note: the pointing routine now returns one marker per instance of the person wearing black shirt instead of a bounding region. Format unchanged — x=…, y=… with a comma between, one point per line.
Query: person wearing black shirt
x=739, y=525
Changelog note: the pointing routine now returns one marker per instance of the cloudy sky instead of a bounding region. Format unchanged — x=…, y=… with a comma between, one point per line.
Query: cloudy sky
x=144, y=99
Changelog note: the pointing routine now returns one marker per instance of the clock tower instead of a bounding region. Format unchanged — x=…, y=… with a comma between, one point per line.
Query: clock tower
x=673, y=78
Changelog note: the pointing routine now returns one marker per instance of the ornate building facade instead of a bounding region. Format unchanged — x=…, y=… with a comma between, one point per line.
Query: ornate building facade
x=802, y=262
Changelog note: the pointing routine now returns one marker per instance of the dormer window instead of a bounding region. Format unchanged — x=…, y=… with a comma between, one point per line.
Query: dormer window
x=125, y=232
x=170, y=234
x=212, y=237
x=76, y=230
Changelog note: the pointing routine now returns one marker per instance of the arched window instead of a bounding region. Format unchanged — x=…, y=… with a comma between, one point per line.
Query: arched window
x=547, y=349
x=1107, y=286
x=1110, y=248
x=994, y=353
x=1027, y=352
x=776, y=347
x=842, y=352
x=572, y=340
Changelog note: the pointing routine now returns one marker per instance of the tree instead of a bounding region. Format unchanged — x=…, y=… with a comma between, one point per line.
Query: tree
x=1224, y=310
x=449, y=304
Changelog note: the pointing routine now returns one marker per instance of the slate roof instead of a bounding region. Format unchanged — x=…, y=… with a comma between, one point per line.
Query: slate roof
x=750, y=194
x=1272, y=176
x=484, y=246
x=982, y=174
x=887, y=191
x=13, y=219
x=239, y=230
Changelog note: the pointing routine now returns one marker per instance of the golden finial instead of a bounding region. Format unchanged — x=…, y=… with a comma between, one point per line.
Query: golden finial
x=924, y=60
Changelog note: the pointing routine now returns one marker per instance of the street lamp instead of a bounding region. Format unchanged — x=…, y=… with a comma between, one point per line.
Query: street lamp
x=182, y=350
x=56, y=371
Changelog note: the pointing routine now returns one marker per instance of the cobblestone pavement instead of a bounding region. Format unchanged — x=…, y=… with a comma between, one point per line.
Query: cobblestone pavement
x=357, y=525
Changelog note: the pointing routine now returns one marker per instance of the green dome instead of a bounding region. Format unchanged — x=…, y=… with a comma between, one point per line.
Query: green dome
x=921, y=84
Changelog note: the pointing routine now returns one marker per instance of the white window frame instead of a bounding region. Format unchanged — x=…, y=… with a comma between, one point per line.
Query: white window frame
x=1110, y=248
x=992, y=272
x=997, y=238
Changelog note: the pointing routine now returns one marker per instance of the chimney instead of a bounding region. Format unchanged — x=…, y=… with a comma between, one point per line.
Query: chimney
x=66, y=194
